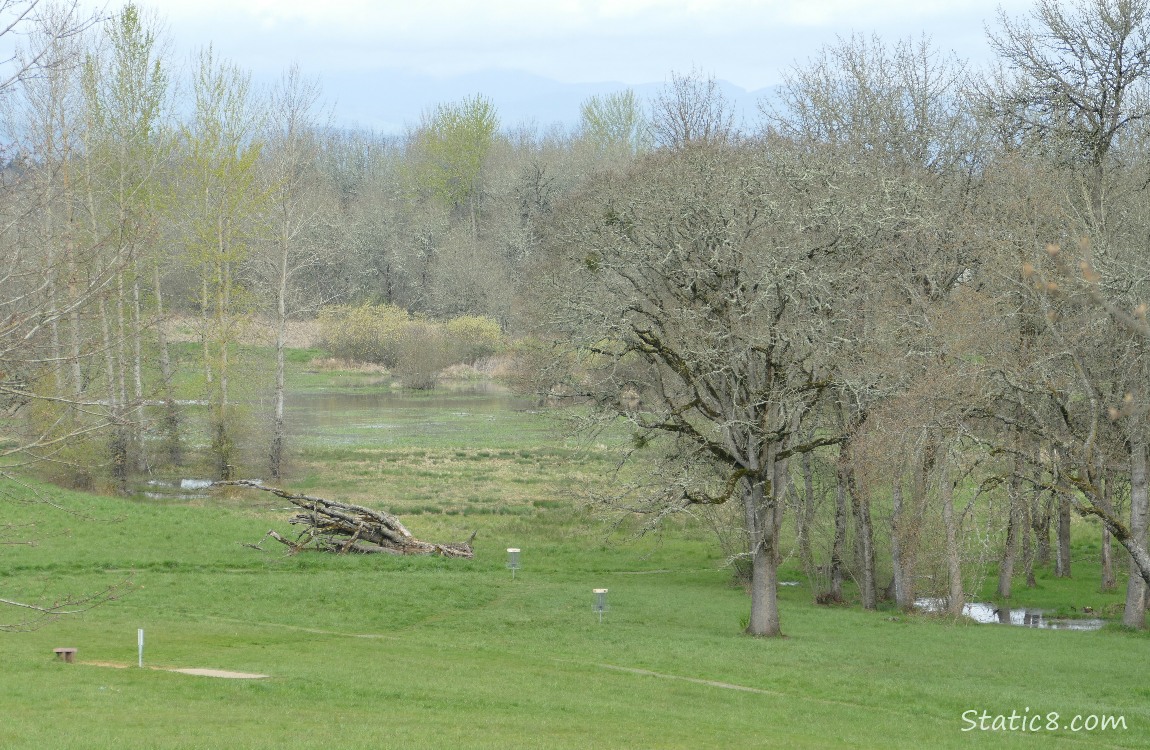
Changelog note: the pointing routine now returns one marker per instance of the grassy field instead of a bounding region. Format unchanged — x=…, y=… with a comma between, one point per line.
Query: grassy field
x=428, y=653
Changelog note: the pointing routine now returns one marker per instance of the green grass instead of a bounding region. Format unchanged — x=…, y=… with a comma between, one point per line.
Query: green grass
x=415, y=652
x=381, y=652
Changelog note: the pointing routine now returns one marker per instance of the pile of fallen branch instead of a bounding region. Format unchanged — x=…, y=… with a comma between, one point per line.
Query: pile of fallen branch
x=331, y=526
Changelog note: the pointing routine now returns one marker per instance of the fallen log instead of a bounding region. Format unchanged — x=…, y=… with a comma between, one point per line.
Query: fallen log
x=332, y=526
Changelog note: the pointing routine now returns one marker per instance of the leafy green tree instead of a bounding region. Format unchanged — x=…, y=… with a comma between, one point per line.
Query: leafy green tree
x=615, y=124
x=222, y=197
x=449, y=151
x=129, y=142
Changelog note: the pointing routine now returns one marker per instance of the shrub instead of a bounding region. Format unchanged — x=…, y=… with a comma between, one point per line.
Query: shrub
x=473, y=337
x=422, y=354
x=367, y=333
x=415, y=349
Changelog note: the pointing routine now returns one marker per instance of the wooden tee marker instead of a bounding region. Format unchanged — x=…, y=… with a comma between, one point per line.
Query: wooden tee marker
x=67, y=654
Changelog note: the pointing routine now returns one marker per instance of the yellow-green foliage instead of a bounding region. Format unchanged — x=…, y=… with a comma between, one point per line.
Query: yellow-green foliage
x=423, y=352
x=474, y=336
x=78, y=457
x=367, y=333
x=416, y=348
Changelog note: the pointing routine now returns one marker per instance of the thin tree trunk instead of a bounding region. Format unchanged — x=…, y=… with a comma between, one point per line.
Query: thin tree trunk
x=205, y=325
x=1028, y=552
x=1010, y=547
x=171, y=419
x=278, y=429
x=78, y=384
x=1040, y=517
x=838, y=546
x=1134, y=615
x=1109, y=581
x=1063, y=563
x=58, y=376
x=864, y=532
x=805, y=517
x=224, y=445
x=138, y=422
x=903, y=587
x=956, y=595
x=117, y=448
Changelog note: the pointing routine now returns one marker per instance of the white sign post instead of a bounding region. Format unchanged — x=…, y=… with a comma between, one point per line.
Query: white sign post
x=140, y=642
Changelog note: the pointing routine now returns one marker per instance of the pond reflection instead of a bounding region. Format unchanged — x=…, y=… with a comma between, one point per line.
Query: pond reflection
x=176, y=489
x=986, y=612
x=386, y=416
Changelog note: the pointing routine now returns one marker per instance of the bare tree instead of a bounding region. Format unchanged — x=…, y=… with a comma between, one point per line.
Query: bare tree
x=47, y=286
x=1079, y=81
x=692, y=110
x=300, y=208
x=892, y=121
x=1077, y=95
x=685, y=295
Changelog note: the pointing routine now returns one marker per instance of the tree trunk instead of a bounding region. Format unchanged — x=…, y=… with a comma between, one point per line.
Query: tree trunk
x=78, y=384
x=903, y=579
x=278, y=429
x=763, y=517
x=170, y=422
x=1134, y=616
x=838, y=546
x=1109, y=581
x=1040, y=515
x=205, y=324
x=864, y=532
x=137, y=324
x=1062, y=568
x=956, y=595
x=1028, y=551
x=275, y=464
x=223, y=443
x=805, y=517
x=117, y=447
x=1010, y=547
x=126, y=429
x=57, y=356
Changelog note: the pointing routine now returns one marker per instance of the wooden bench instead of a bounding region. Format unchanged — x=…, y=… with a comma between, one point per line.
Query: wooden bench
x=67, y=654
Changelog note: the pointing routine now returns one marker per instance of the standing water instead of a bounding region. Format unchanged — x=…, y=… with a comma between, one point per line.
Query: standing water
x=986, y=612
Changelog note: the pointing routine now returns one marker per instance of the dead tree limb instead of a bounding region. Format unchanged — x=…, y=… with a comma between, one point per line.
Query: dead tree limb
x=332, y=526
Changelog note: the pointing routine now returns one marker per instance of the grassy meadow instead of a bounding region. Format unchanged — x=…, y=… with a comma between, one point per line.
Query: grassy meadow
x=383, y=652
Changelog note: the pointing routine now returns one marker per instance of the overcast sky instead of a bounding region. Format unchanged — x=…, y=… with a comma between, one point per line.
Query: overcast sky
x=423, y=50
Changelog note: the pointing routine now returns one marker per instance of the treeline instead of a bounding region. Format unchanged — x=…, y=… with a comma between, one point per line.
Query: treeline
x=907, y=304
x=908, y=308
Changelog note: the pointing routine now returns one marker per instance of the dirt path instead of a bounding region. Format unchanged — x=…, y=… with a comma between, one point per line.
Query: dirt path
x=196, y=671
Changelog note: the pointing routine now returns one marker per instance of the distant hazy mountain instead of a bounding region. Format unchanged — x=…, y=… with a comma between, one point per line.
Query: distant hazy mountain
x=388, y=101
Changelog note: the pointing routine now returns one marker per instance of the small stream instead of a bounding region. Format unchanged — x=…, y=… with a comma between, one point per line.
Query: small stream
x=986, y=612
